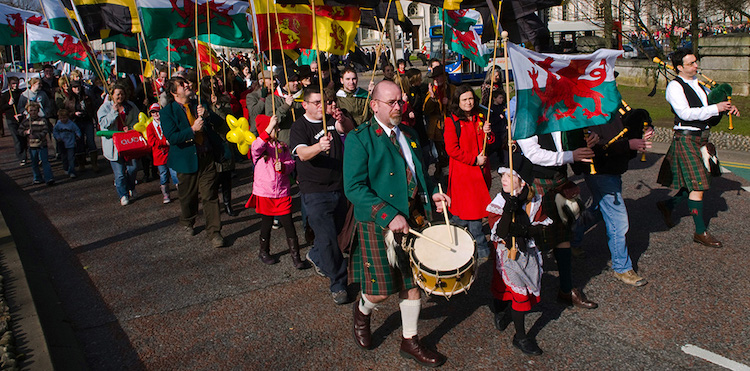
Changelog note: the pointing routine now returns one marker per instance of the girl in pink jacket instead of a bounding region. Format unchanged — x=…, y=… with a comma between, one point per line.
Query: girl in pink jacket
x=271, y=197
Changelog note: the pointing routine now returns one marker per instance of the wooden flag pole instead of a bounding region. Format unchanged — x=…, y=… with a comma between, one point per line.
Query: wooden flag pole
x=169, y=58
x=377, y=55
x=197, y=54
x=320, y=71
x=143, y=73
x=283, y=62
x=512, y=251
x=492, y=74
x=210, y=49
x=26, y=54
x=89, y=51
x=270, y=52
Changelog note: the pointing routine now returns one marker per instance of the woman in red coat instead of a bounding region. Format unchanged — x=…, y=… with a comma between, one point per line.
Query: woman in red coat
x=469, y=173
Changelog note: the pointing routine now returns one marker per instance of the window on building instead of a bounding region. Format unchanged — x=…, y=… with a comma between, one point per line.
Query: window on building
x=413, y=10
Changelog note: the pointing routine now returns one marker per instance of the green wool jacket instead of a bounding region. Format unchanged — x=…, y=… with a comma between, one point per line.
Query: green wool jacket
x=183, y=154
x=375, y=174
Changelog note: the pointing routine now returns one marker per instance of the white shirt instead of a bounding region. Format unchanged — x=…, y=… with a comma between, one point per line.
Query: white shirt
x=676, y=97
x=402, y=143
x=542, y=157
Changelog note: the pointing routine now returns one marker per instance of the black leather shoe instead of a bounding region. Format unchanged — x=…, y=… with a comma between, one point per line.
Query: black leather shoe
x=528, y=346
x=706, y=239
x=502, y=316
x=577, y=298
x=412, y=349
x=361, y=328
x=666, y=213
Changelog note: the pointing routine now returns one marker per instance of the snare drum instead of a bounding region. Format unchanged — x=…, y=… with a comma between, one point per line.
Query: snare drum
x=439, y=271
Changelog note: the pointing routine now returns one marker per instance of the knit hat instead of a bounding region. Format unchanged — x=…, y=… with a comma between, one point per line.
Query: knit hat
x=522, y=167
x=154, y=107
x=261, y=123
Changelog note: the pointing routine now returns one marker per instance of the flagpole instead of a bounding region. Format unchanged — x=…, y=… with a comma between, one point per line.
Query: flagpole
x=283, y=61
x=377, y=56
x=143, y=74
x=492, y=74
x=13, y=59
x=320, y=71
x=26, y=53
x=169, y=58
x=270, y=52
x=512, y=252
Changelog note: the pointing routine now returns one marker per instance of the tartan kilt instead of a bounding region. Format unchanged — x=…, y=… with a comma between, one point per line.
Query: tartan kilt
x=683, y=166
x=369, y=266
x=558, y=232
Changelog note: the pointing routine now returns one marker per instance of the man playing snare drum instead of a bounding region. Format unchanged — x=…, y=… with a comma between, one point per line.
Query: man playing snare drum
x=387, y=182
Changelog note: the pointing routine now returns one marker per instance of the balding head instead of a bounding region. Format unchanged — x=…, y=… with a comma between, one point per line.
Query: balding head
x=383, y=104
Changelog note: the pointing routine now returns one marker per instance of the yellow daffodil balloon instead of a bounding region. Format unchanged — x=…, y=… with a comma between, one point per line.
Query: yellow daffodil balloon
x=240, y=133
x=143, y=122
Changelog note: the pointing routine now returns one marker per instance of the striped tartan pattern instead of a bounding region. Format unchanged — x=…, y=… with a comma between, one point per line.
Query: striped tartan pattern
x=558, y=231
x=685, y=162
x=368, y=264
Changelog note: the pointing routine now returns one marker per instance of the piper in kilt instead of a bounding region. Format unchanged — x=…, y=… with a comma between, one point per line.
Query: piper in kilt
x=387, y=182
x=550, y=171
x=683, y=168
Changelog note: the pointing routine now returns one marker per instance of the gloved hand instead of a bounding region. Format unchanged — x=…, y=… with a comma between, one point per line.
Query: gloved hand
x=512, y=204
x=263, y=92
x=518, y=230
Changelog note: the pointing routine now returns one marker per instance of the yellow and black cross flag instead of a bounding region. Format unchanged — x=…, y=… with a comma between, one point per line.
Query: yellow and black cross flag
x=101, y=18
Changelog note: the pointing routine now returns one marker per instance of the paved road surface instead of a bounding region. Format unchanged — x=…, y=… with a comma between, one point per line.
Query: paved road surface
x=140, y=294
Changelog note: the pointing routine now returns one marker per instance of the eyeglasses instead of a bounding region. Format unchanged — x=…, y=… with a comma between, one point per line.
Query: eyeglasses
x=392, y=103
x=314, y=103
x=329, y=102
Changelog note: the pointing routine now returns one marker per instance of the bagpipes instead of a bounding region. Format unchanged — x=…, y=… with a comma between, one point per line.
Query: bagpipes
x=636, y=122
x=718, y=92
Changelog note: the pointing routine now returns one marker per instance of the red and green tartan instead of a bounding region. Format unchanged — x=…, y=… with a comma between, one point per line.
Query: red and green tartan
x=683, y=164
x=558, y=231
x=369, y=266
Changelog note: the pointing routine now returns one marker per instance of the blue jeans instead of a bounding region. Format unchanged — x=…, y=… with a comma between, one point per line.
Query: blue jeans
x=606, y=192
x=69, y=160
x=326, y=213
x=37, y=155
x=124, y=175
x=475, y=228
x=88, y=130
x=165, y=173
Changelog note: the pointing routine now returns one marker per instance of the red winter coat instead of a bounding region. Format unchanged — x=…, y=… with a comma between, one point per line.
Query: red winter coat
x=159, y=145
x=468, y=184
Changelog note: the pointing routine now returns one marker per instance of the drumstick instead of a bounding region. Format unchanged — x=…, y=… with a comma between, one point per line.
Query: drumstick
x=445, y=213
x=436, y=242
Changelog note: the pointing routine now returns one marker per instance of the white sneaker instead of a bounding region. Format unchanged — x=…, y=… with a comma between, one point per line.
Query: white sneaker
x=124, y=201
x=133, y=195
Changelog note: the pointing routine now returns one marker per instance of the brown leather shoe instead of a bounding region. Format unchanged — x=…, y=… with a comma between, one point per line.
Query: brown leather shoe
x=666, y=213
x=706, y=239
x=412, y=349
x=577, y=298
x=361, y=328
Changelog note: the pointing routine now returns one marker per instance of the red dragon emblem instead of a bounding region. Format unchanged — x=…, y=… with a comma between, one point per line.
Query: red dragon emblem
x=16, y=24
x=70, y=47
x=187, y=12
x=567, y=86
x=15, y=21
x=467, y=41
x=181, y=46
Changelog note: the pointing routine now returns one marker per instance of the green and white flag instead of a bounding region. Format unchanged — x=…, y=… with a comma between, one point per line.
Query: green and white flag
x=562, y=92
x=461, y=19
x=46, y=45
x=12, y=21
x=57, y=17
x=469, y=44
x=176, y=19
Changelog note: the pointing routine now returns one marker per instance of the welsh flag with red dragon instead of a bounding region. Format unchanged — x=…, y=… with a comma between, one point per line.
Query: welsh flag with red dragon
x=47, y=45
x=557, y=92
x=12, y=21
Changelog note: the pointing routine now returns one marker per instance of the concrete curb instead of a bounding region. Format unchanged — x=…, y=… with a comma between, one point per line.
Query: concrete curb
x=27, y=330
